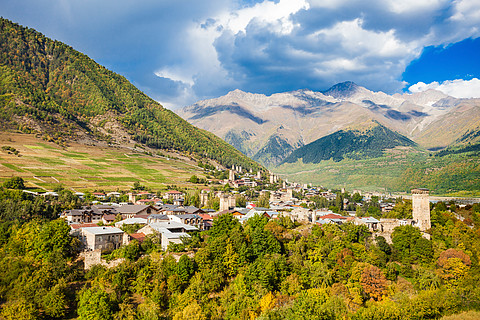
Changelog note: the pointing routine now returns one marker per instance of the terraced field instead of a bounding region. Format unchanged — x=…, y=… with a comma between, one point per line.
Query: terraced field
x=46, y=165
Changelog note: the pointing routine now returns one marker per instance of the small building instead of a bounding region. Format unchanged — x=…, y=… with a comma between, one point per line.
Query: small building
x=156, y=217
x=101, y=238
x=108, y=218
x=173, y=195
x=170, y=232
x=189, y=219
x=74, y=216
x=99, y=195
x=131, y=210
x=371, y=223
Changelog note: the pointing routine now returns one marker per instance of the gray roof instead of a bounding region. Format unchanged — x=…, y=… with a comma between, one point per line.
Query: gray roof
x=159, y=226
x=132, y=208
x=369, y=220
x=131, y=221
x=188, y=216
x=158, y=216
x=102, y=230
x=192, y=209
x=75, y=212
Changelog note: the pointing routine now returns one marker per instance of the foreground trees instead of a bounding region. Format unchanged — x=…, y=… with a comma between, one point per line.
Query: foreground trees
x=266, y=269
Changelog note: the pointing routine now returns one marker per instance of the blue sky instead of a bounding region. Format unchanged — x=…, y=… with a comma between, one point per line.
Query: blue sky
x=182, y=51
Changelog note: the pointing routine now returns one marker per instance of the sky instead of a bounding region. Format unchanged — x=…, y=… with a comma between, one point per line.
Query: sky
x=182, y=51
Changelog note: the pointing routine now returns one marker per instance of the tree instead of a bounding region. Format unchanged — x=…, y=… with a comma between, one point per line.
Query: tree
x=193, y=179
x=185, y=268
x=19, y=309
x=240, y=200
x=14, y=183
x=373, y=282
x=54, y=237
x=339, y=201
x=138, y=186
x=454, y=264
x=94, y=304
x=264, y=200
x=409, y=244
x=54, y=303
x=357, y=198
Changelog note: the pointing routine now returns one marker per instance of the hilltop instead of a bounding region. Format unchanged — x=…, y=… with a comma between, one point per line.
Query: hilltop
x=269, y=128
x=61, y=95
x=368, y=142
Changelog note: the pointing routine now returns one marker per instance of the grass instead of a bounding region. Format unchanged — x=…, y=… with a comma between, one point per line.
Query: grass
x=12, y=167
x=453, y=175
x=469, y=315
x=83, y=168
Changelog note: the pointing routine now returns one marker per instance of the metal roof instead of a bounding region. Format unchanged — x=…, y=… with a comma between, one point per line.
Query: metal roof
x=102, y=230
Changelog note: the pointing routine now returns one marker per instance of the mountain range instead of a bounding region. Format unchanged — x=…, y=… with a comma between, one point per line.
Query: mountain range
x=270, y=128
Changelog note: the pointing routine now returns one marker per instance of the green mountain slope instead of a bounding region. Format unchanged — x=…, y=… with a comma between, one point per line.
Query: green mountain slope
x=49, y=88
x=369, y=142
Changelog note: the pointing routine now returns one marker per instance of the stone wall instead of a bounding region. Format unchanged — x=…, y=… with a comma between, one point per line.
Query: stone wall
x=91, y=258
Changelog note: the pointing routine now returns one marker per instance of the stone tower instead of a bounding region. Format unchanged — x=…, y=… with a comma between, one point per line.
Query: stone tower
x=421, y=208
x=231, y=175
x=226, y=202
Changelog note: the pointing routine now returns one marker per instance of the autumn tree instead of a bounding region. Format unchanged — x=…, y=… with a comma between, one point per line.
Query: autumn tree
x=373, y=283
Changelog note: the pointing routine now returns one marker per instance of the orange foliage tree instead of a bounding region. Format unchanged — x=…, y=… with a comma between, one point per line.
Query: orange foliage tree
x=373, y=282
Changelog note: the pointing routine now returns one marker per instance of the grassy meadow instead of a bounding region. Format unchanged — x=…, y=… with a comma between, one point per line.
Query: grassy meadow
x=398, y=170
x=45, y=165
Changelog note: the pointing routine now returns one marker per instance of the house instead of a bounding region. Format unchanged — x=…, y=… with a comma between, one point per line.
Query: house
x=333, y=218
x=130, y=210
x=99, y=195
x=75, y=228
x=173, y=195
x=102, y=238
x=137, y=236
x=300, y=214
x=108, y=218
x=74, y=216
x=190, y=219
x=258, y=211
x=156, y=217
x=169, y=231
x=114, y=194
x=207, y=221
x=371, y=223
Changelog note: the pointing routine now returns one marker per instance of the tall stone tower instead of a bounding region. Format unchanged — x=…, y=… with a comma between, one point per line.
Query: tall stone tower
x=231, y=175
x=226, y=202
x=421, y=208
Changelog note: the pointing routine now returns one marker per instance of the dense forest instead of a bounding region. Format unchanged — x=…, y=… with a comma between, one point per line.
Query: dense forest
x=49, y=88
x=264, y=269
x=351, y=144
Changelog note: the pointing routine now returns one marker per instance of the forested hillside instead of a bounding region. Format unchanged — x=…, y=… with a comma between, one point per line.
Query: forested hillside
x=47, y=87
x=352, y=144
x=264, y=269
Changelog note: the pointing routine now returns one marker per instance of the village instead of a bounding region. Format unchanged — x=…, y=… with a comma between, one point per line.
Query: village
x=105, y=226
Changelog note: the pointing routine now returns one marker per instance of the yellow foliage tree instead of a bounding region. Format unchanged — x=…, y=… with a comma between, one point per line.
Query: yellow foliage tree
x=267, y=302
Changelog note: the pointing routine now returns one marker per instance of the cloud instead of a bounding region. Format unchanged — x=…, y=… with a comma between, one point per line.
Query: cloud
x=186, y=50
x=456, y=88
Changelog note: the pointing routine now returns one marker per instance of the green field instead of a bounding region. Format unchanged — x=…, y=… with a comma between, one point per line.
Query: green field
x=398, y=171
x=46, y=165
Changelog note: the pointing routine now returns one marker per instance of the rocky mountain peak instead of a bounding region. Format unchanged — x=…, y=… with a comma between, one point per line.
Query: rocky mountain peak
x=342, y=90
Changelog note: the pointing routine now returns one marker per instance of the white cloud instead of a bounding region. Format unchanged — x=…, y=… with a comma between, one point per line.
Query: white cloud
x=406, y=6
x=267, y=12
x=456, y=88
x=183, y=51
